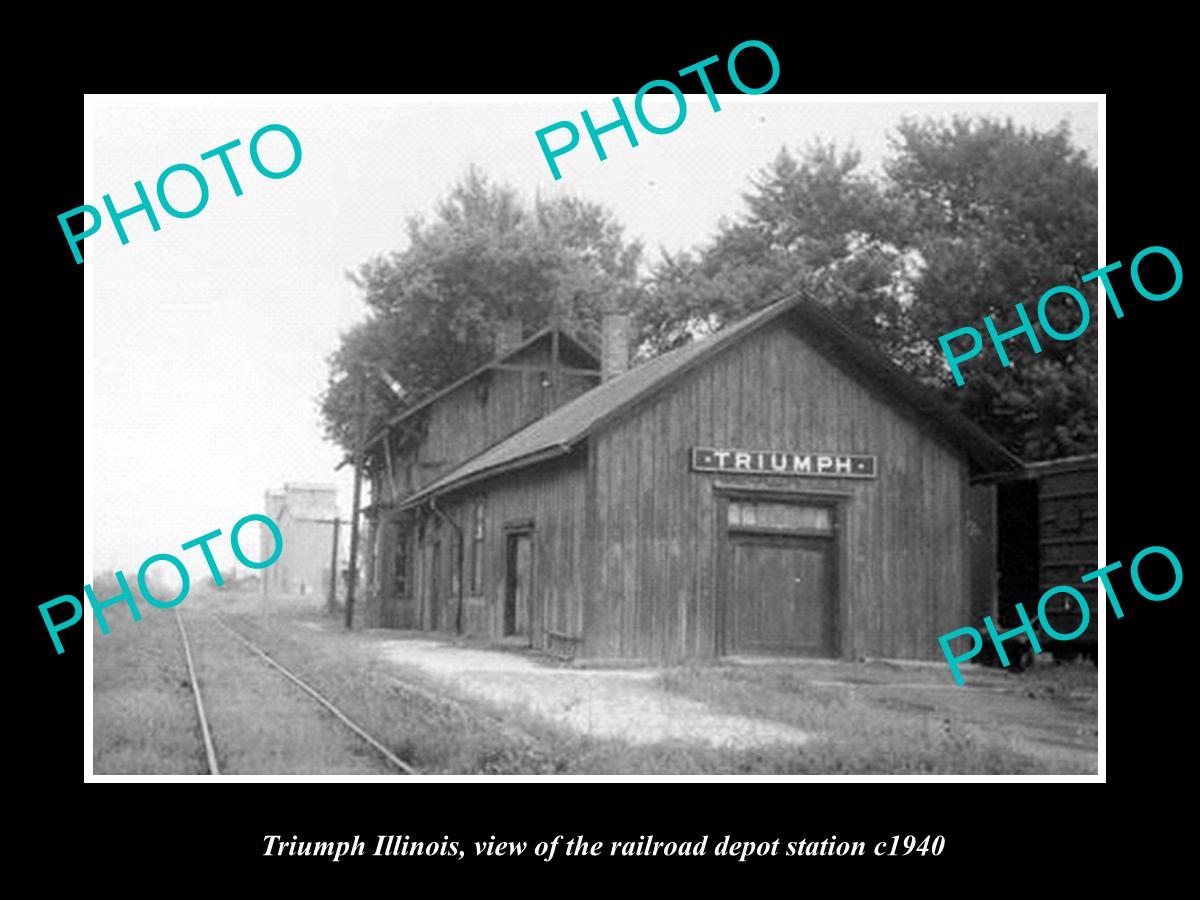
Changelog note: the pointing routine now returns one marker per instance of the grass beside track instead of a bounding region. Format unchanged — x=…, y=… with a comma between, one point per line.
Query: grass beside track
x=144, y=718
x=869, y=722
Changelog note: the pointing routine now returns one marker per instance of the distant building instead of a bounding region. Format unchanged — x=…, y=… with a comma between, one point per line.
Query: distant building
x=305, y=514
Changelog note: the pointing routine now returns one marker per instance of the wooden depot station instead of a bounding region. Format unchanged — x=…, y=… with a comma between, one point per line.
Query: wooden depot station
x=775, y=488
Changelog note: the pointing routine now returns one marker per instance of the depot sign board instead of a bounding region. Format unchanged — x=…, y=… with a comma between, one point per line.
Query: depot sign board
x=777, y=462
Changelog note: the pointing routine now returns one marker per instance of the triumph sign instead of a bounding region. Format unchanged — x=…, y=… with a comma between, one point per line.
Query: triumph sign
x=774, y=462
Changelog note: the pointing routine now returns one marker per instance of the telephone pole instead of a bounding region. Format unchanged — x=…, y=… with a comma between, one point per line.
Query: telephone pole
x=360, y=425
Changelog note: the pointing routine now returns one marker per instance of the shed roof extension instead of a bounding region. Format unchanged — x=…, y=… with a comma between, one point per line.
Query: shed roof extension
x=557, y=433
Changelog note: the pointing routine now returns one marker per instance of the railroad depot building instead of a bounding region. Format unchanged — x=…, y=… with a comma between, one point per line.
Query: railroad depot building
x=778, y=487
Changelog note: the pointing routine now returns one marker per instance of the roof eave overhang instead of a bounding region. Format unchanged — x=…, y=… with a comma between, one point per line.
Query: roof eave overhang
x=438, y=490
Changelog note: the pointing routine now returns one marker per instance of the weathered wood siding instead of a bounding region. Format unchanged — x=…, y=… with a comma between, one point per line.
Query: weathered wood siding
x=453, y=429
x=485, y=411
x=1068, y=516
x=385, y=607
x=654, y=533
x=472, y=418
x=549, y=497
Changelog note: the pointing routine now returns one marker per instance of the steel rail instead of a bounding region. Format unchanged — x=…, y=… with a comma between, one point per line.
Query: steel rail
x=304, y=686
x=209, y=751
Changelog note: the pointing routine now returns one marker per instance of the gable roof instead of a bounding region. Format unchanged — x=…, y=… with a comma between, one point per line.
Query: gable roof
x=581, y=345
x=558, y=432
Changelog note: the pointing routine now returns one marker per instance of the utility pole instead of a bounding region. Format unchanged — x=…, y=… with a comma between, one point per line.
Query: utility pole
x=360, y=425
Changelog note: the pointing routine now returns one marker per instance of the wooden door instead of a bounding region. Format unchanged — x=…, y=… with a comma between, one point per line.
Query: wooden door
x=780, y=596
x=518, y=585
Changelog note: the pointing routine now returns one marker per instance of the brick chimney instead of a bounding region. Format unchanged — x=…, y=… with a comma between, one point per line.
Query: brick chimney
x=614, y=345
x=508, y=336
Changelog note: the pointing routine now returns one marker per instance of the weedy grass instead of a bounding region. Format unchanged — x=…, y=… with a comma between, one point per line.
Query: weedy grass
x=873, y=719
x=870, y=728
x=144, y=720
x=451, y=732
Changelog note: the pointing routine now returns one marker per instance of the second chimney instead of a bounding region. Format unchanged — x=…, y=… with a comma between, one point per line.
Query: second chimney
x=614, y=345
x=508, y=336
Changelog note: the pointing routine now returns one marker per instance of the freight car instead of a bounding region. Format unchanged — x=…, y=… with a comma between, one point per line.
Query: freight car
x=1046, y=534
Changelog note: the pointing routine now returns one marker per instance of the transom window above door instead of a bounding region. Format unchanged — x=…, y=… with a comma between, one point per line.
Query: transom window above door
x=779, y=517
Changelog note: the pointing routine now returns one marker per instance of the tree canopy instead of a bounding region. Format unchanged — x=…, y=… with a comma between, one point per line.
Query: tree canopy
x=485, y=256
x=967, y=219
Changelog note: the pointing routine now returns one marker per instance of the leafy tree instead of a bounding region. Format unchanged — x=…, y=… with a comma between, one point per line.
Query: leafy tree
x=1000, y=215
x=485, y=256
x=808, y=225
x=968, y=218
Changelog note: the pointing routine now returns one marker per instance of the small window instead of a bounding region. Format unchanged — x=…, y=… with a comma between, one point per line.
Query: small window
x=455, y=560
x=477, y=549
x=372, y=558
x=786, y=518
x=400, y=571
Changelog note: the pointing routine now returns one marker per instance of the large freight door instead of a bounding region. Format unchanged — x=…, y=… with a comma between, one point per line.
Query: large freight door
x=780, y=594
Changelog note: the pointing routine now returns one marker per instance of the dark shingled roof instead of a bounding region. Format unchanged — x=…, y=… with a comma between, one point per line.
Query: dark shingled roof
x=557, y=433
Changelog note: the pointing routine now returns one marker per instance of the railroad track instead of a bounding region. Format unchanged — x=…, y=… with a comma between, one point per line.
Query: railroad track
x=206, y=732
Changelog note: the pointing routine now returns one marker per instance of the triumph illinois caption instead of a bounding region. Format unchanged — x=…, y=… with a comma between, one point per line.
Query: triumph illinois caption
x=560, y=845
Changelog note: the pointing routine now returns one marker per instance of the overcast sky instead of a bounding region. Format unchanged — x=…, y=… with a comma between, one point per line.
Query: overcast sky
x=210, y=336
